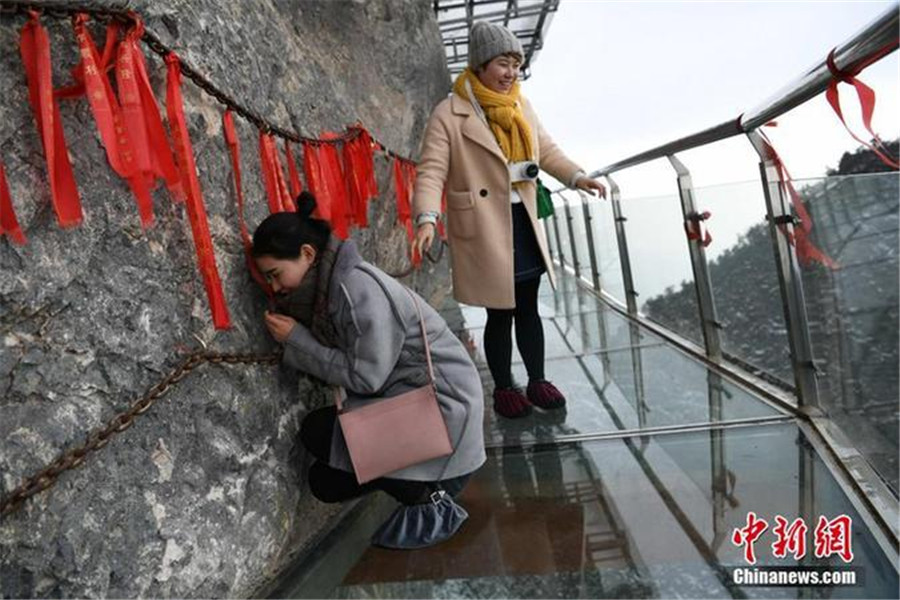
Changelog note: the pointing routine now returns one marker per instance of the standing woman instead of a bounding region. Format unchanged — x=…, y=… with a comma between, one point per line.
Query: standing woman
x=482, y=144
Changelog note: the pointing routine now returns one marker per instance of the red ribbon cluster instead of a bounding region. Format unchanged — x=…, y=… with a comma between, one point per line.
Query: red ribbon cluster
x=139, y=150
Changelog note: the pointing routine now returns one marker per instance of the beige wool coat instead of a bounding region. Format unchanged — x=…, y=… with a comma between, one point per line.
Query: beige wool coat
x=460, y=152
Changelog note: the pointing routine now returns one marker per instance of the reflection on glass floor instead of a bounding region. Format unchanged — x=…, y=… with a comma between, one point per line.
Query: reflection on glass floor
x=633, y=491
x=647, y=517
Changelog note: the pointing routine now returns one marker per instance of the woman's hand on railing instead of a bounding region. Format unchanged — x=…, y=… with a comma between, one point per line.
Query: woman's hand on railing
x=424, y=238
x=588, y=185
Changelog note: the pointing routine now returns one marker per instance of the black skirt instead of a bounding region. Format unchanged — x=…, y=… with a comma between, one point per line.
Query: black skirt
x=529, y=264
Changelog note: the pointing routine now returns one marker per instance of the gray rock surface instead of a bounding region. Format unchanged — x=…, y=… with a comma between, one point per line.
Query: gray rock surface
x=204, y=496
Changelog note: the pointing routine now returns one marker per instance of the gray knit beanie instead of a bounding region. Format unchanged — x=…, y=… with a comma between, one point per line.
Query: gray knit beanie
x=487, y=40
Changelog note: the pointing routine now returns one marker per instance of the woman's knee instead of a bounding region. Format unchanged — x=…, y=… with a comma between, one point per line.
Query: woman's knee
x=322, y=485
x=316, y=430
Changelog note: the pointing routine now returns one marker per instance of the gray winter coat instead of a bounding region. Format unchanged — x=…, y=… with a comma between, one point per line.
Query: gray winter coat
x=381, y=354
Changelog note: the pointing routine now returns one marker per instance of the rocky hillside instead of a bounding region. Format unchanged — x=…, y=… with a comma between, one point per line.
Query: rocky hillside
x=204, y=495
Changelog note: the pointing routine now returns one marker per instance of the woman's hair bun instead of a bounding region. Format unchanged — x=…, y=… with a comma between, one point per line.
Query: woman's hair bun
x=306, y=204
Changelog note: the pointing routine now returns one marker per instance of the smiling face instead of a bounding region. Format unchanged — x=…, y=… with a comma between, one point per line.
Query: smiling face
x=285, y=274
x=500, y=73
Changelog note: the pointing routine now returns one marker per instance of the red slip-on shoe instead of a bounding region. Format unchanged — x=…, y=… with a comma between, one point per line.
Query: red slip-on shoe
x=511, y=403
x=544, y=394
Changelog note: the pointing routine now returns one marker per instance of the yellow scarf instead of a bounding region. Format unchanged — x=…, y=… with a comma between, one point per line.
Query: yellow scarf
x=504, y=115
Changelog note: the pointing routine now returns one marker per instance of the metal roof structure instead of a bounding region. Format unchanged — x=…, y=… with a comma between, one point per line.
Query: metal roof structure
x=529, y=20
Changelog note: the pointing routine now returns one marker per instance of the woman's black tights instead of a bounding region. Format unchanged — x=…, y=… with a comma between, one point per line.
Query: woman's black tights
x=529, y=336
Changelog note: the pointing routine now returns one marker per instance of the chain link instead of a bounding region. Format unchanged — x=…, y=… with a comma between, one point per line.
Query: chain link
x=97, y=439
x=122, y=12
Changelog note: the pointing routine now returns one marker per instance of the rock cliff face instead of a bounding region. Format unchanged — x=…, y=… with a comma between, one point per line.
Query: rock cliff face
x=204, y=495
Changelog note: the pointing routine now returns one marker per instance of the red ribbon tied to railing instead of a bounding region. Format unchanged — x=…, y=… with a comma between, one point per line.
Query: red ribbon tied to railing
x=807, y=252
x=694, y=229
x=34, y=46
x=866, y=100
x=194, y=197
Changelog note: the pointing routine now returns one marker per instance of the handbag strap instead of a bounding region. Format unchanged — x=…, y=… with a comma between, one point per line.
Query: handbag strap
x=340, y=393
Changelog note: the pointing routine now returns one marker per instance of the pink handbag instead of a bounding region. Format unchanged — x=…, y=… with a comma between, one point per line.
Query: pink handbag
x=392, y=433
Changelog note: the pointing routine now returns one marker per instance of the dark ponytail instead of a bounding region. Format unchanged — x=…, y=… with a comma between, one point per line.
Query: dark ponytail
x=281, y=235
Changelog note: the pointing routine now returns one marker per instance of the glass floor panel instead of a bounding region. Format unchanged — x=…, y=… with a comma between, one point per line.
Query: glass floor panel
x=605, y=394
x=640, y=517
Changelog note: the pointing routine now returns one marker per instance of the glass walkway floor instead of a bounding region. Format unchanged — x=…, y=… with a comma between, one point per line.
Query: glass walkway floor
x=634, y=491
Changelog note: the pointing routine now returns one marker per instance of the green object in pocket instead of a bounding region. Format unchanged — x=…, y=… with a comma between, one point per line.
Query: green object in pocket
x=544, y=202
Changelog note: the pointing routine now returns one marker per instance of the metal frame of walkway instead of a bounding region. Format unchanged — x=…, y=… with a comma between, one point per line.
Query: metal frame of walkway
x=529, y=20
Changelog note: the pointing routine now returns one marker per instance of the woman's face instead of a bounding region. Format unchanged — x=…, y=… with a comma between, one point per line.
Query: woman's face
x=285, y=274
x=500, y=73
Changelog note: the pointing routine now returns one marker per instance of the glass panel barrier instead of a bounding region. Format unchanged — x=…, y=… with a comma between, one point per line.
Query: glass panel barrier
x=582, y=250
x=607, y=248
x=562, y=230
x=660, y=262
x=853, y=309
x=743, y=277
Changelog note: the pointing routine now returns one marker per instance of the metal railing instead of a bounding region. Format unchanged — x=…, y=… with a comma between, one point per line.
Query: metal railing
x=869, y=42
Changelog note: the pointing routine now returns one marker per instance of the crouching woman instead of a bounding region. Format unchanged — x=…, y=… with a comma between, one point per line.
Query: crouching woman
x=344, y=321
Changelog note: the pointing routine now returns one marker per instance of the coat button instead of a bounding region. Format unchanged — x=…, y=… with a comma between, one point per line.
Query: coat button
x=482, y=193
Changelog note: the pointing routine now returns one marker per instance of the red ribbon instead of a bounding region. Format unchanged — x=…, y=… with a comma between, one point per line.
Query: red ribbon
x=9, y=225
x=296, y=185
x=404, y=180
x=234, y=148
x=336, y=186
x=78, y=89
x=693, y=227
x=273, y=176
x=325, y=180
x=442, y=231
x=34, y=46
x=194, y=197
x=140, y=114
x=807, y=252
x=108, y=115
x=866, y=100
x=313, y=172
x=359, y=169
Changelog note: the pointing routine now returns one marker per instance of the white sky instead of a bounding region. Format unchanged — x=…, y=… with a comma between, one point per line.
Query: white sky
x=618, y=78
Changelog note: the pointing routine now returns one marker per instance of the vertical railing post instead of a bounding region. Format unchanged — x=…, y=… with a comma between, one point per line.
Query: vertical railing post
x=789, y=276
x=702, y=285
x=569, y=219
x=589, y=230
x=624, y=260
x=562, y=255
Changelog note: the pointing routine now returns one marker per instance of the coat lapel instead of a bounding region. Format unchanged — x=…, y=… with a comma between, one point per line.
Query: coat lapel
x=475, y=129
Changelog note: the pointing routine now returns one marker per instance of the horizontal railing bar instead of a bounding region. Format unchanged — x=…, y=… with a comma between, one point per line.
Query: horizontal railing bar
x=872, y=38
x=866, y=43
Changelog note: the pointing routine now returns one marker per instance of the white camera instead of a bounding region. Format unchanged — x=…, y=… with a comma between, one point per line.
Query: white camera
x=526, y=170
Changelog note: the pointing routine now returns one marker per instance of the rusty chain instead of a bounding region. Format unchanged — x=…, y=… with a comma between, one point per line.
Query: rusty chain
x=98, y=438
x=123, y=12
